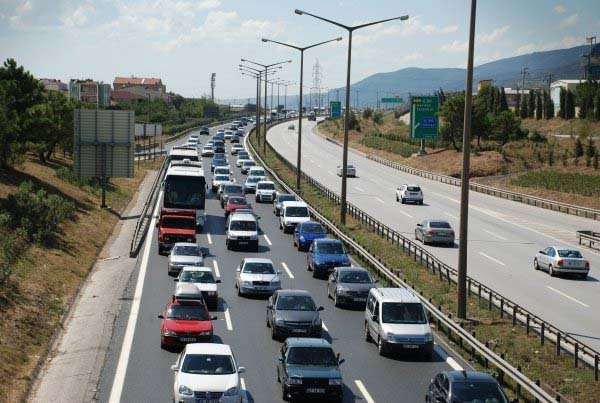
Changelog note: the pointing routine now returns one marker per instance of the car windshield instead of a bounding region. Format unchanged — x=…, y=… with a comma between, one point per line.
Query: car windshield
x=330, y=247
x=413, y=188
x=296, y=212
x=259, y=268
x=439, y=224
x=208, y=148
x=233, y=189
x=396, y=312
x=188, y=312
x=208, y=364
x=187, y=250
x=570, y=253
x=312, y=228
x=282, y=198
x=257, y=172
x=219, y=161
x=221, y=177
x=237, y=201
x=475, y=392
x=196, y=276
x=295, y=303
x=267, y=186
x=179, y=222
x=322, y=356
x=242, y=226
x=355, y=277
x=253, y=179
x=243, y=154
x=350, y=166
x=249, y=163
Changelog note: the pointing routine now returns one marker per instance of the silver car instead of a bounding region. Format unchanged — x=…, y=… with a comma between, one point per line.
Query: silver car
x=350, y=170
x=435, y=232
x=561, y=260
x=349, y=285
x=257, y=276
x=279, y=199
x=251, y=183
x=184, y=254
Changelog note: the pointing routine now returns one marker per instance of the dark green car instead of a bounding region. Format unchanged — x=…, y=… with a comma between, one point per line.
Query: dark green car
x=307, y=368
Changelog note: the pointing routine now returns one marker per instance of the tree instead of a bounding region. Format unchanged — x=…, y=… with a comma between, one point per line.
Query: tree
x=518, y=104
x=578, y=148
x=378, y=117
x=503, y=102
x=498, y=101
x=531, y=104
x=506, y=127
x=491, y=100
x=524, y=107
x=563, y=97
x=570, y=105
x=367, y=113
x=452, y=112
x=597, y=106
x=548, y=106
x=584, y=94
x=590, y=151
x=538, y=107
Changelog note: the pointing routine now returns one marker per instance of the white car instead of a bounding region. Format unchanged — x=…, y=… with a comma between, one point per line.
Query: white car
x=561, y=260
x=242, y=230
x=292, y=213
x=208, y=151
x=257, y=171
x=241, y=160
x=228, y=134
x=203, y=278
x=218, y=180
x=257, y=276
x=235, y=148
x=350, y=170
x=409, y=193
x=265, y=191
x=207, y=372
x=225, y=170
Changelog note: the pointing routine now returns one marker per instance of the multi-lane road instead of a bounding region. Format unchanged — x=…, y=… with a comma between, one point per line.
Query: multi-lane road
x=503, y=235
x=137, y=370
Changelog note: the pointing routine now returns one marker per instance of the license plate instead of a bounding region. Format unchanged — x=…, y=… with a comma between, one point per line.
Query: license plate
x=243, y=242
x=298, y=331
x=360, y=299
x=411, y=346
x=260, y=288
x=207, y=400
x=315, y=390
x=187, y=339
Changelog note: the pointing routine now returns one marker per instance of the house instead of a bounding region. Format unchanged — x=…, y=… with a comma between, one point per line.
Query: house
x=135, y=94
x=52, y=84
x=567, y=85
x=90, y=91
x=154, y=84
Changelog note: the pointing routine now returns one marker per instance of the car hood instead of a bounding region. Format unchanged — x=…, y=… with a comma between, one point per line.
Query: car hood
x=204, y=286
x=242, y=233
x=188, y=325
x=312, y=236
x=296, y=220
x=313, y=371
x=250, y=184
x=406, y=329
x=268, y=191
x=331, y=257
x=186, y=260
x=212, y=383
x=297, y=316
x=360, y=287
x=257, y=277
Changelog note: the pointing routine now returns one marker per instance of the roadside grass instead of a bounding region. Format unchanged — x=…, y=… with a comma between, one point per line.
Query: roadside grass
x=557, y=374
x=47, y=278
x=582, y=184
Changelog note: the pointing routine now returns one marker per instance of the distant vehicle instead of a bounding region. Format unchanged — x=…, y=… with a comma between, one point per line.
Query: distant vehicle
x=562, y=260
x=229, y=189
x=218, y=180
x=465, y=386
x=204, y=130
x=435, y=232
x=306, y=232
x=185, y=322
x=204, y=370
x=233, y=127
x=257, y=276
x=279, y=199
x=207, y=151
x=291, y=127
x=219, y=155
x=292, y=214
x=181, y=153
x=184, y=254
x=296, y=370
x=236, y=148
x=293, y=313
x=350, y=170
x=203, y=278
x=221, y=131
x=225, y=170
x=246, y=165
x=235, y=203
x=194, y=137
x=409, y=193
x=326, y=254
x=350, y=285
x=312, y=116
x=242, y=230
x=242, y=158
x=185, y=189
x=175, y=226
x=235, y=138
x=251, y=183
x=244, y=121
x=218, y=162
x=228, y=134
x=219, y=146
x=265, y=191
x=257, y=171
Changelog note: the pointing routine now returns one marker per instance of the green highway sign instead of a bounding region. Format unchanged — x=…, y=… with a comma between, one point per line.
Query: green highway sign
x=335, y=109
x=424, y=117
x=392, y=100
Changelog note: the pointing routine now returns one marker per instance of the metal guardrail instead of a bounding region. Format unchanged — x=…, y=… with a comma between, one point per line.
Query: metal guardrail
x=591, y=237
x=490, y=190
x=441, y=319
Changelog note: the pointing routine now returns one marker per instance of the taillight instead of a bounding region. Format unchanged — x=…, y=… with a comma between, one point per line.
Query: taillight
x=430, y=232
x=587, y=264
x=560, y=262
x=452, y=233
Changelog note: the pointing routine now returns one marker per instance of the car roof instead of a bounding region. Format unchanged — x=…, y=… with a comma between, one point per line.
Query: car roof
x=351, y=268
x=310, y=223
x=436, y=220
x=234, y=197
x=327, y=240
x=256, y=168
x=563, y=247
x=195, y=268
x=208, y=348
x=185, y=244
x=188, y=291
x=266, y=181
x=395, y=294
x=469, y=375
x=289, y=292
x=307, y=342
x=242, y=217
x=294, y=204
x=411, y=184
x=257, y=260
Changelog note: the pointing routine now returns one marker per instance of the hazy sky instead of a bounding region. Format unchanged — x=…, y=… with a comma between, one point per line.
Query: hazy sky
x=184, y=41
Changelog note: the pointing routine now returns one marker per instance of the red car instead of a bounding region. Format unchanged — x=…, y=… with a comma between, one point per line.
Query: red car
x=235, y=203
x=185, y=322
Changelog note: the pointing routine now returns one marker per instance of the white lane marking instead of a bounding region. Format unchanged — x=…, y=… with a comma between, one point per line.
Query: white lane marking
x=405, y=213
x=452, y=362
x=209, y=238
x=228, y=319
x=359, y=189
x=379, y=200
x=567, y=296
x=324, y=327
x=287, y=269
x=267, y=239
x=446, y=197
x=118, y=382
x=244, y=392
x=496, y=235
x=364, y=391
x=216, y=265
x=492, y=259
x=451, y=215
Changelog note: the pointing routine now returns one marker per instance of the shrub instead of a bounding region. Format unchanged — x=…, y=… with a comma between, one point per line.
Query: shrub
x=583, y=184
x=353, y=123
x=578, y=148
x=12, y=245
x=550, y=156
x=397, y=147
x=536, y=137
x=378, y=117
x=367, y=113
x=565, y=158
x=596, y=161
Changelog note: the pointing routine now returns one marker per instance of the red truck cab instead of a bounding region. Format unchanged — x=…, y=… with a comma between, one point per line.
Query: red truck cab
x=175, y=226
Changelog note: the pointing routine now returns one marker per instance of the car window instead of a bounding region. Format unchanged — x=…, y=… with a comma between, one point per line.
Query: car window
x=237, y=201
x=295, y=303
x=258, y=268
x=355, y=277
x=186, y=250
x=266, y=186
x=312, y=228
x=242, y=226
x=397, y=312
x=330, y=247
x=282, y=198
x=296, y=212
x=569, y=253
x=188, y=312
x=413, y=189
x=321, y=356
x=221, y=177
x=370, y=303
x=475, y=392
x=552, y=252
x=439, y=224
x=547, y=251
x=208, y=364
x=188, y=276
x=253, y=179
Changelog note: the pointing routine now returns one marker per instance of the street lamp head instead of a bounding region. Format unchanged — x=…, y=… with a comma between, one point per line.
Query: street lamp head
x=404, y=18
x=243, y=60
x=265, y=40
x=299, y=12
x=338, y=39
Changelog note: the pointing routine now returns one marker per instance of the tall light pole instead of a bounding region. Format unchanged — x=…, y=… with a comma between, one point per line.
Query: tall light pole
x=260, y=74
x=257, y=77
x=461, y=306
x=301, y=49
x=350, y=30
x=266, y=67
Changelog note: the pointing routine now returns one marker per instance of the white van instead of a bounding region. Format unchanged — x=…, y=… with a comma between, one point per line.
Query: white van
x=242, y=230
x=257, y=171
x=292, y=214
x=396, y=321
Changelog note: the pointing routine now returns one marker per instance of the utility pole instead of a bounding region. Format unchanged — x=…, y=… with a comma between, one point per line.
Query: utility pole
x=548, y=79
x=591, y=41
x=213, y=79
x=523, y=74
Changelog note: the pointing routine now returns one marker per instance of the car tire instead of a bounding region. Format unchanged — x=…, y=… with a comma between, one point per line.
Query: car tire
x=274, y=334
x=416, y=235
x=551, y=271
x=256, y=199
x=536, y=265
x=268, y=323
x=314, y=274
x=163, y=346
x=367, y=334
x=397, y=199
x=284, y=393
x=380, y=346
x=280, y=226
x=421, y=203
x=228, y=245
x=335, y=300
x=582, y=276
x=278, y=377
x=308, y=266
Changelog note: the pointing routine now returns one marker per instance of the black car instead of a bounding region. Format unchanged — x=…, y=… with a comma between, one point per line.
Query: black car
x=293, y=313
x=308, y=369
x=350, y=285
x=219, y=146
x=204, y=130
x=465, y=386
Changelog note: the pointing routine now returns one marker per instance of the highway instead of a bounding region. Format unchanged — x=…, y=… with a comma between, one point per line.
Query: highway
x=503, y=235
x=137, y=370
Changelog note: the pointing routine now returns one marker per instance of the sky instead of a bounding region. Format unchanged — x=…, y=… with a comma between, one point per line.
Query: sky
x=184, y=41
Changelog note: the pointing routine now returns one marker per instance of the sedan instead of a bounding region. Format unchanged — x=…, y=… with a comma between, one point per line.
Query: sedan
x=208, y=151
x=229, y=189
x=326, y=254
x=236, y=148
x=184, y=254
x=203, y=278
x=218, y=180
x=465, y=386
x=257, y=276
x=204, y=130
x=561, y=260
x=350, y=170
x=242, y=158
x=185, y=322
x=251, y=183
x=293, y=313
x=246, y=165
x=218, y=162
x=409, y=193
x=235, y=203
x=350, y=285
x=306, y=232
x=435, y=232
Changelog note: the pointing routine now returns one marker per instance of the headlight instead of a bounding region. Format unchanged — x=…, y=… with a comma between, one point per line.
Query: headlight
x=275, y=280
x=428, y=337
x=316, y=320
x=279, y=321
x=342, y=290
x=231, y=391
x=390, y=336
x=295, y=381
x=335, y=382
x=169, y=333
x=232, y=236
x=198, y=263
x=246, y=282
x=184, y=390
x=302, y=238
x=287, y=222
x=207, y=333
x=253, y=237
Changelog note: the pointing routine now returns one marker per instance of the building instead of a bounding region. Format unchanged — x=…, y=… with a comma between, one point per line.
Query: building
x=52, y=84
x=154, y=84
x=90, y=91
x=136, y=94
x=567, y=85
x=484, y=83
x=513, y=96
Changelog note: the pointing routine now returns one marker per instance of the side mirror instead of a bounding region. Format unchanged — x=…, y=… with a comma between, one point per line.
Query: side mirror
x=214, y=318
x=341, y=361
x=238, y=269
x=542, y=252
x=203, y=254
x=278, y=272
x=374, y=318
x=270, y=306
x=332, y=279
x=217, y=281
x=280, y=358
x=175, y=279
x=419, y=225
x=241, y=370
x=174, y=368
x=161, y=317
x=320, y=308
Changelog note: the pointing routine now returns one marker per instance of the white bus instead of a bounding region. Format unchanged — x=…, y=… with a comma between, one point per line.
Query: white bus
x=185, y=189
x=183, y=153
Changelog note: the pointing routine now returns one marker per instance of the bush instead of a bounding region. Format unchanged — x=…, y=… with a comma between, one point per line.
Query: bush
x=397, y=147
x=367, y=113
x=353, y=123
x=536, y=137
x=378, y=117
x=12, y=245
x=583, y=184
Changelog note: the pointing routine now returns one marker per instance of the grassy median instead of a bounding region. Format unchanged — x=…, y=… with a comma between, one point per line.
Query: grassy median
x=557, y=374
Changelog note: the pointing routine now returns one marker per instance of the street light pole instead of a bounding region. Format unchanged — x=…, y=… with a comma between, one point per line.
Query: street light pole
x=350, y=30
x=258, y=72
x=461, y=308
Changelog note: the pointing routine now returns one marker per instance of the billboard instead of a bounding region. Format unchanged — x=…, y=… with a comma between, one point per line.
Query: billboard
x=424, y=117
x=335, y=109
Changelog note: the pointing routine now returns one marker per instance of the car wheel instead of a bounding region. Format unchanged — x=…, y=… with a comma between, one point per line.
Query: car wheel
x=280, y=226
x=421, y=203
x=536, y=265
x=308, y=266
x=278, y=377
x=551, y=271
x=163, y=346
x=256, y=199
x=397, y=199
x=314, y=273
x=368, y=338
x=583, y=276
x=274, y=334
x=380, y=347
x=284, y=393
x=402, y=200
x=228, y=246
x=335, y=300
x=416, y=235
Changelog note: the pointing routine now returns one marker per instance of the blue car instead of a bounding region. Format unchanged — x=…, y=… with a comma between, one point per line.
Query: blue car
x=307, y=232
x=324, y=255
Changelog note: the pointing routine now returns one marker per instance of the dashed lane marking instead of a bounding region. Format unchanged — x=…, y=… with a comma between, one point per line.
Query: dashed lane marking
x=216, y=266
x=287, y=270
x=492, y=259
x=567, y=296
x=364, y=391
